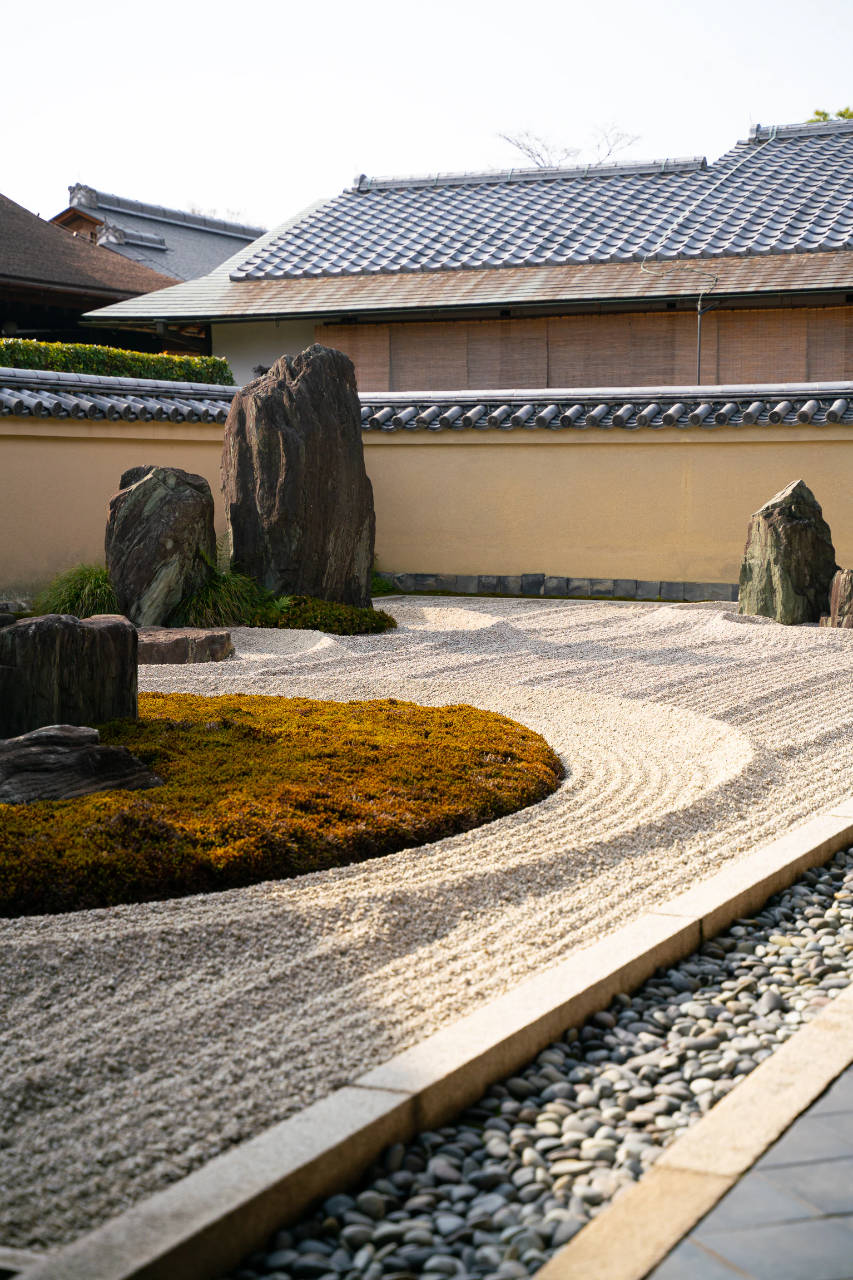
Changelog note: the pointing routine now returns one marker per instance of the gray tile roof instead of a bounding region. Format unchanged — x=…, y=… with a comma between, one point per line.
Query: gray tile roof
x=183, y=245
x=786, y=189
x=34, y=393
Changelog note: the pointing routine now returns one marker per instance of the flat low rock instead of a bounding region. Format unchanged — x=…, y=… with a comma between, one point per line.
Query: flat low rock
x=57, y=669
x=164, y=645
x=62, y=761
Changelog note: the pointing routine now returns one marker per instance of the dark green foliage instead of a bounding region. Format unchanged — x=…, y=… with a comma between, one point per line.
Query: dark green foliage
x=227, y=599
x=78, y=357
x=307, y=614
x=231, y=599
x=83, y=592
x=380, y=586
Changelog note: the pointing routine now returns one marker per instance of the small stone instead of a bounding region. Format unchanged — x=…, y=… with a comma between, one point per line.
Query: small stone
x=371, y=1203
x=447, y=1223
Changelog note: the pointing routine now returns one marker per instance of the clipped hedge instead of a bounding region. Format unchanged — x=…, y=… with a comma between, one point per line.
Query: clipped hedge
x=261, y=788
x=79, y=357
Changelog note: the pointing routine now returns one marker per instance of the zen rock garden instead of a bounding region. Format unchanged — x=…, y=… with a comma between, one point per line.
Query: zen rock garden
x=300, y=517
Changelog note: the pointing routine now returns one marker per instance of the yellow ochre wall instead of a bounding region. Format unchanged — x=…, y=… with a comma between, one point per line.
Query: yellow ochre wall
x=667, y=504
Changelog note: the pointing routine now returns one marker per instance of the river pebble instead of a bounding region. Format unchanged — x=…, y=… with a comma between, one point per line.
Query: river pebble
x=495, y=1194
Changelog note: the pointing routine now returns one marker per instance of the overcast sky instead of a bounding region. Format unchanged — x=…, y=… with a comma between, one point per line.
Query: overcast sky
x=254, y=108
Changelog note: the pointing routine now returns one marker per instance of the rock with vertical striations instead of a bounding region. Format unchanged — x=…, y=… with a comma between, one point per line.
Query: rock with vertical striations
x=160, y=542
x=840, y=600
x=789, y=560
x=298, y=502
x=62, y=670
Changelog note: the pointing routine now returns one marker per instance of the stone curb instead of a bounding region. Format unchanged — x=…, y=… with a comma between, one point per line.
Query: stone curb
x=548, y=587
x=207, y=1222
x=650, y=1218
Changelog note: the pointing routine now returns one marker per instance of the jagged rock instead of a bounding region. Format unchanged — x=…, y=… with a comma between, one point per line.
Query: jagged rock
x=62, y=761
x=840, y=600
x=183, y=644
x=6, y=619
x=160, y=541
x=298, y=502
x=56, y=669
x=789, y=560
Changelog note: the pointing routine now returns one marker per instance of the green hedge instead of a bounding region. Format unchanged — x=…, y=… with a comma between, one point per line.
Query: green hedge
x=78, y=357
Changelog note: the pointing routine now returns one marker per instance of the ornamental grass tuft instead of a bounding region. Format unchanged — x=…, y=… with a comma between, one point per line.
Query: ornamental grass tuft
x=83, y=591
x=266, y=788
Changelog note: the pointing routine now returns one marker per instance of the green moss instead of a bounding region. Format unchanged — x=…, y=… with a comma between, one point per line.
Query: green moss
x=260, y=788
x=83, y=591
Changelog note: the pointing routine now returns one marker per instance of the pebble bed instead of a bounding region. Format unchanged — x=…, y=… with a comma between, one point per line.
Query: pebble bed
x=495, y=1194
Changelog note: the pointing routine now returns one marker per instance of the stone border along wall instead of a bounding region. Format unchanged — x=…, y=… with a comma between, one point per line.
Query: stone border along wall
x=544, y=585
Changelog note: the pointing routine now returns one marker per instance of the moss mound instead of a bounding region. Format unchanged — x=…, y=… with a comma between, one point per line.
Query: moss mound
x=259, y=788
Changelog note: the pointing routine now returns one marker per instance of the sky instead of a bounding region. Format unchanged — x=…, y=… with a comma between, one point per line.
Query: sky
x=253, y=109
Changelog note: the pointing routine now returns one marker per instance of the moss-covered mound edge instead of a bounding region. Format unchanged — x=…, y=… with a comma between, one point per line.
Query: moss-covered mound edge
x=263, y=788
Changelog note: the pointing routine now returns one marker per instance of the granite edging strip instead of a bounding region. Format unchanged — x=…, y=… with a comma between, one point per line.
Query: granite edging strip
x=200, y=1226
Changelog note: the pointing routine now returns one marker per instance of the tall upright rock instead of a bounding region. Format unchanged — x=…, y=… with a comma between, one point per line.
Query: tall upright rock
x=789, y=560
x=160, y=541
x=298, y=502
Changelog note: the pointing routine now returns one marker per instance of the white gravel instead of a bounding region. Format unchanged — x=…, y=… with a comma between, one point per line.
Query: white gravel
x=140, y=1041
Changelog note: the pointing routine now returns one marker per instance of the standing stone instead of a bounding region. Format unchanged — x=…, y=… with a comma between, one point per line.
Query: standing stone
x=57, y=669
x=840, y=600
x=789, y=560
x=298, y=502
x=160, y=541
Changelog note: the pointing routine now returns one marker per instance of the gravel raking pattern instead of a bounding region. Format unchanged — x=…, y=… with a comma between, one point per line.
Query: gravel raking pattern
x=497, y=1193
x=690, y=737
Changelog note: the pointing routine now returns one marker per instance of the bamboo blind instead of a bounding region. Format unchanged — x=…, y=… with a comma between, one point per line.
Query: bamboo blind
x=787, y=344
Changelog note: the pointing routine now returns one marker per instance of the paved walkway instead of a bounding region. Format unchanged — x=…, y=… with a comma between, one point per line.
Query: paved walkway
x=791, y=1216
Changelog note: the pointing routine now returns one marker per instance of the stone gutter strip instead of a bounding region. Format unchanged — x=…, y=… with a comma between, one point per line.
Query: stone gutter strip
x=205, y=1223
x=650, y=1218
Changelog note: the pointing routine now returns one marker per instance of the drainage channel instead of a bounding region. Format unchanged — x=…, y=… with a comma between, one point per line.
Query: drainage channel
x=496, y=1193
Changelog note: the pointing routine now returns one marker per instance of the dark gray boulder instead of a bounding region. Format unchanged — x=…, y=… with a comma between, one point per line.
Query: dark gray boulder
x=789, y=559
x=62, y=670
x=298, y=502
x=160, y=541
x=840, y=600
x=62, y=761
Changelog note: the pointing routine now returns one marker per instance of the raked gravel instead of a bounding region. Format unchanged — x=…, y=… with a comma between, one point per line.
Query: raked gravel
x=496, y=1193
x=140, y=1041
